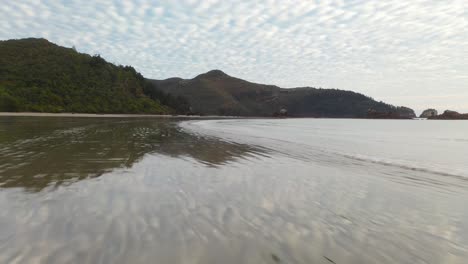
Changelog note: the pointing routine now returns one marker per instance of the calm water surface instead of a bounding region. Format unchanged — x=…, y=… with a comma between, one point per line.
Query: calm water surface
x=116, y=190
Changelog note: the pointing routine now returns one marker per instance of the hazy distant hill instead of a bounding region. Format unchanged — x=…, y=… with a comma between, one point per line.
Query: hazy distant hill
x=217, y=93
x=37, y=75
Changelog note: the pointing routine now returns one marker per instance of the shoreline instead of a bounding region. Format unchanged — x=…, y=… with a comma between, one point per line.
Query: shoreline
x=33, y=114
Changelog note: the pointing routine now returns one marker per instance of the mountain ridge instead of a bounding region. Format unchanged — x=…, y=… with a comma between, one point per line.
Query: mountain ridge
x=216, y=92
x=40, y=76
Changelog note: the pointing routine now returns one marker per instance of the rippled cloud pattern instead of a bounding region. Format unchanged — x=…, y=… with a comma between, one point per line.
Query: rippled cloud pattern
x=413, y=53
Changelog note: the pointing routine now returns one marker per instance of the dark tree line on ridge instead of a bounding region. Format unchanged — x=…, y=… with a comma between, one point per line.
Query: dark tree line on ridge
x=39, y=76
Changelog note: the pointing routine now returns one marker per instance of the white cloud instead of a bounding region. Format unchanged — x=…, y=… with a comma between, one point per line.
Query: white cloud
x=387, y=49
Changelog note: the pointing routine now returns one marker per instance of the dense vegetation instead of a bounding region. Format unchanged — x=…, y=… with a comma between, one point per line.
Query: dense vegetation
x=220, y=94
x=39, y=76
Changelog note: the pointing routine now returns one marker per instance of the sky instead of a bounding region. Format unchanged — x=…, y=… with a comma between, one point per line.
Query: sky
x=412, y=53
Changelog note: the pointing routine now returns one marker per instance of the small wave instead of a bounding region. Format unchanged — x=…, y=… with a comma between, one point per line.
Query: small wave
x=454, y=139
x=401, y=165
x=304, y=151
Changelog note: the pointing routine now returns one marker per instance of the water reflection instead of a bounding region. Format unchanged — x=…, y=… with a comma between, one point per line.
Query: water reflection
x=38, y=152
x=169, y=197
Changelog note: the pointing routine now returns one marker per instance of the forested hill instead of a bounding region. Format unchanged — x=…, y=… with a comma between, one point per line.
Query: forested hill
x=217, y=93
x=37, y=75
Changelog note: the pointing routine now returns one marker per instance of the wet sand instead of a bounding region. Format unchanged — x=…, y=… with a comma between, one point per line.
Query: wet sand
x=32, y=114
x=259, y=191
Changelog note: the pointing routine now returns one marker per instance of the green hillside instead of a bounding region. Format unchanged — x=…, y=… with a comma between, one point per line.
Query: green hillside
x=37, y=75
x=217, y=93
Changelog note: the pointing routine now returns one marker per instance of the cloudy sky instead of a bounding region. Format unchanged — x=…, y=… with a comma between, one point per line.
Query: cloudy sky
x=412, y=52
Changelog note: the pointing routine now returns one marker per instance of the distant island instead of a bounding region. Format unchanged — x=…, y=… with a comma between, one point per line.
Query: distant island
x=449, y=115
x=39, y=76
x=428, y=113
x=433, y=114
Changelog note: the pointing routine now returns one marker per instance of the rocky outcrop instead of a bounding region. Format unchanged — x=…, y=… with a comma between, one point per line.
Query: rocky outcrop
x=405, y=112
x=281, y=113
x=428, y=113
x=451, y=115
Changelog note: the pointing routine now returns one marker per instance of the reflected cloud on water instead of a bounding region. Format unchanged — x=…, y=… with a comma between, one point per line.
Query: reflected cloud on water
x=154, y=193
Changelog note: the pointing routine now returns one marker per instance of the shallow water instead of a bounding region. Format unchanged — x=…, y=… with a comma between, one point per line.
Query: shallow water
x=98, y=190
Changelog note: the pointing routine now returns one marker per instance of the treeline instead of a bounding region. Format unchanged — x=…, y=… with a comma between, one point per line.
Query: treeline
x=337, y=103
x=39, y=76
x=178, y=103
